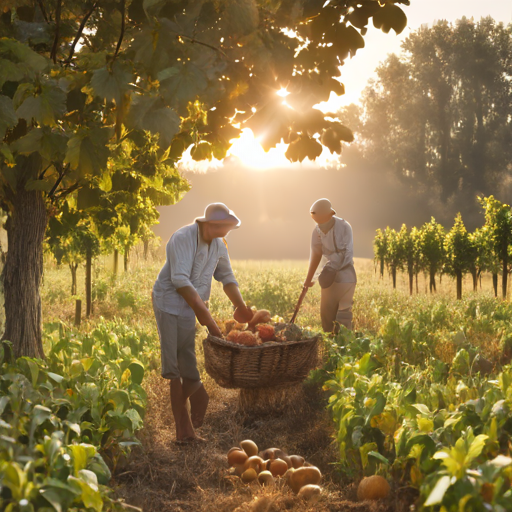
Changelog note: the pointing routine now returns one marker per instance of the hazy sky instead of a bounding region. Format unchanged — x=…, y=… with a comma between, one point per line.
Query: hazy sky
x=357, y=71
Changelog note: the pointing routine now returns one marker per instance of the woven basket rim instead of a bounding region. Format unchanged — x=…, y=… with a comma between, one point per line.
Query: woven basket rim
x=231, y=344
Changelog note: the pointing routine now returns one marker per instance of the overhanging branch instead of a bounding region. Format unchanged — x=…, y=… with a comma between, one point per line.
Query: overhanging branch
x=80, y=30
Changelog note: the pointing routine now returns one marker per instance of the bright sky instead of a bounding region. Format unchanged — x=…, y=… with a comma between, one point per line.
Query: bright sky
x=357, y=72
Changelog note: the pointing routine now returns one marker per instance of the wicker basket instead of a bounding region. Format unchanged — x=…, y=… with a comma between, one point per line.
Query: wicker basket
x=267, y=365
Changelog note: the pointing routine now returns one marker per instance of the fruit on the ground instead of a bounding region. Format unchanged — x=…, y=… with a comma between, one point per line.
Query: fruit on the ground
x=272, y=453
x=297, y=461
x=373, y=488
x=249, y=475
x=287, y=460
x=255, y=462
x=266, y=478
x=304, y=476
x=249, y=447
x=278, y=467
x=310, y=493
x=236, y=456
x=246, y=338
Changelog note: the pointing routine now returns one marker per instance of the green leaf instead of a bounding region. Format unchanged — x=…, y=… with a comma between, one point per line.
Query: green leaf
x=378, y=456
x=88, y=152
x=438, y=492
x=55, y=377
x=184, y=86
x=89, y=392
x=102, y=471
x=81, y=454
x=153, y=115
x=39, y=415
x=34, y=370
x=18, y=60
x=137, y=372
x=53, y=497
x=365, y=450
x=135, y=418
x=8, y=117
x=476, y=447
x=43, y=185
x=111, y=83
x=45, y=107
x=390, y=17
x=4, y=400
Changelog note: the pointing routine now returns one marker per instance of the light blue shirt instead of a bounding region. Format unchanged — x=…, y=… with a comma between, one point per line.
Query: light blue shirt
x=190, y=262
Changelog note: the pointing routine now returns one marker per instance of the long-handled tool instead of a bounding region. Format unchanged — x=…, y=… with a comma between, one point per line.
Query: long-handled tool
x=299, y=302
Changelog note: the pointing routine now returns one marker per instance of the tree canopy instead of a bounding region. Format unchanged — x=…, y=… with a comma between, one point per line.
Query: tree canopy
x=439, y=114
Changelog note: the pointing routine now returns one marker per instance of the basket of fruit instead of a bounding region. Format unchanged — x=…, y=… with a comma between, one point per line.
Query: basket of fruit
x=261, y=354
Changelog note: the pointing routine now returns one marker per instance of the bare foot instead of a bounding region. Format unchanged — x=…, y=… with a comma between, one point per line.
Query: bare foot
x=198, y=405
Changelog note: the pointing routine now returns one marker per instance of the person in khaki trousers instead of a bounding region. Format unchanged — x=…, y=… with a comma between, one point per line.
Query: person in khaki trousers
x=332, y=240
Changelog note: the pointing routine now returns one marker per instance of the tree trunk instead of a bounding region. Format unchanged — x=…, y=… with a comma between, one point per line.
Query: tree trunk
x=393, y=276
x=411, y=279
x=22, y=273
x=116, y=261
x=459, y=284
x=504, y=277
x=146, y=249
x=495, y=283
x=417, y=290
x=126, y=258
x=73, y=267
x=88, y=283
x=432, y=283
x=474, y=274
x=382, y=267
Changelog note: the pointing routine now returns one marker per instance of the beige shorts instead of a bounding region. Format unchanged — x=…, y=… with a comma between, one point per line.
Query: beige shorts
x=177, y=345
x=337, y=297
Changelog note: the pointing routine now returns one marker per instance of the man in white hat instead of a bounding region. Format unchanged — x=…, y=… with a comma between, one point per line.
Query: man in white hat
x=332, y=239
x=195, y=254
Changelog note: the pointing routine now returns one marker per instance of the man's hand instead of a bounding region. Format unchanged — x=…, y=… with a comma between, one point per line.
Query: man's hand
x=214, y=330
x=243, y=314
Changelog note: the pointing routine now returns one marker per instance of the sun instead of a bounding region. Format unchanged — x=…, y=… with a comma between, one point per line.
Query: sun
x=248, y=150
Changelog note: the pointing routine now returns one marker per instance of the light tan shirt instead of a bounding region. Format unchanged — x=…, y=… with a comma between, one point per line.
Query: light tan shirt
x=341, y=259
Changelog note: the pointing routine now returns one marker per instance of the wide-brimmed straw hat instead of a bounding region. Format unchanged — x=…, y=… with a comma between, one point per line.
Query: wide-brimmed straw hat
x=322, y=206
x=219, y=212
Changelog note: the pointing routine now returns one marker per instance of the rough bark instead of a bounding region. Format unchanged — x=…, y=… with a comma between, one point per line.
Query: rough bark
x=459, y=284
x=22, y=273
x=432, y=283
x=504, y=277
x=116, y=261
x=88, y=283
x=73, y=267
x=126, y=258
x=474, y=275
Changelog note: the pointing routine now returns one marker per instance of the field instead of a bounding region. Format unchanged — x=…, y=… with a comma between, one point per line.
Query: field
x=419, y=376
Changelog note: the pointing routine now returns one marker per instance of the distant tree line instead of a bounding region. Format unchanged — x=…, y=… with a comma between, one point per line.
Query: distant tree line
x=439, y=114
x=433, y=250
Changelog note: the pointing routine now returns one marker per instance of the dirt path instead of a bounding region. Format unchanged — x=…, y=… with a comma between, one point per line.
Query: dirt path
x=164, y=477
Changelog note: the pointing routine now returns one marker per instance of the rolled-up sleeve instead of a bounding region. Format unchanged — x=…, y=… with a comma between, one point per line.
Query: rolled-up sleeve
x=316, y=243
x=180, y=253
x=224, y=273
